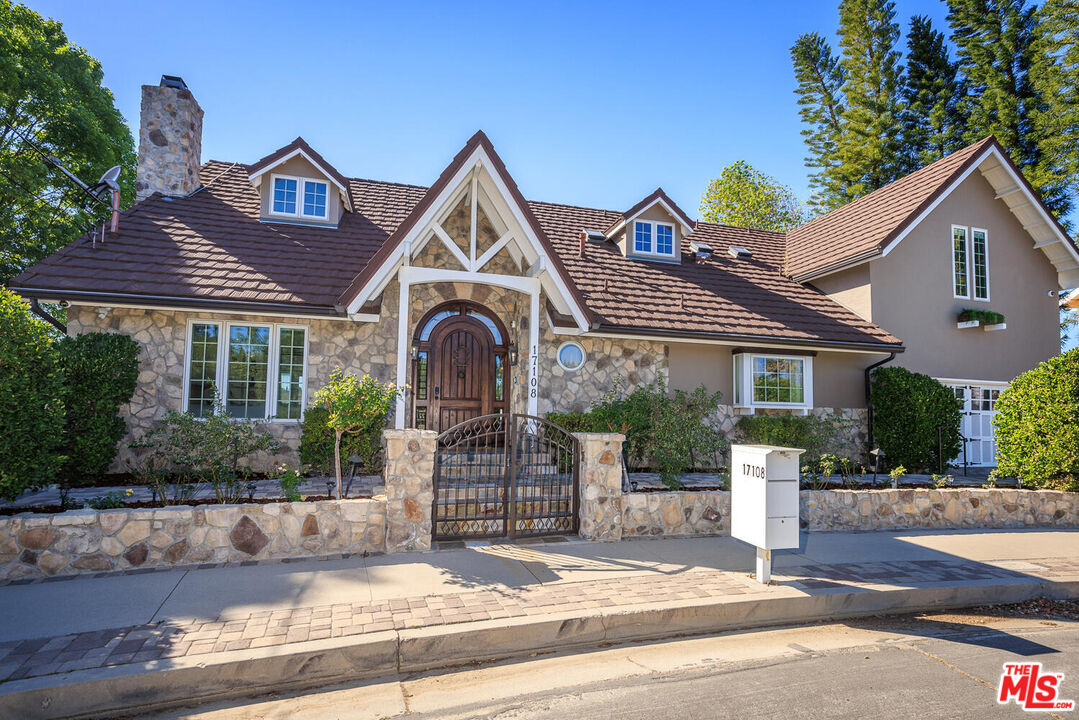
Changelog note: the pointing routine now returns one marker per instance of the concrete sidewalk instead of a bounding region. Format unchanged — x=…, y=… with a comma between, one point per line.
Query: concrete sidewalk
x=275, y=624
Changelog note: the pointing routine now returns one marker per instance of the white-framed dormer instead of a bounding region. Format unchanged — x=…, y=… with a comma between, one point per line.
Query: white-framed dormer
x=653, y=238
x=303, y=198
x=772, y=380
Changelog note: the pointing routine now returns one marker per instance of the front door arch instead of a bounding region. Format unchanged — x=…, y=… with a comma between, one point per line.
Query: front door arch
x=460, y=351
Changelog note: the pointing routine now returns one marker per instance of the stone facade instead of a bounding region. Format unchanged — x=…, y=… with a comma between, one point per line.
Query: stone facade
x=90, y=541
x=676, y=513
x=170, y=142
x=601, y=485
x=409, y=472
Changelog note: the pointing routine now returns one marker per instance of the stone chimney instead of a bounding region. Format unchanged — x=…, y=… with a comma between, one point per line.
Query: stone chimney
x=170, y=139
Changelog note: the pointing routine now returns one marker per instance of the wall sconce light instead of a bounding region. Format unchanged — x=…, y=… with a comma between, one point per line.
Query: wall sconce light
x=511, y=356
x=415, y=352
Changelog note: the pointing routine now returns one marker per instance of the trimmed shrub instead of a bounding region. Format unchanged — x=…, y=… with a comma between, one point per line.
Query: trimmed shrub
x=908, y=408
x=808, y=432
x=574, y=422
x=1037, y=425
x=100, y=371
x=317, y=438
x=31, y=400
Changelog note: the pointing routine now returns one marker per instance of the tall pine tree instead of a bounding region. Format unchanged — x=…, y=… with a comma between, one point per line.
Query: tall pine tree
x=820, y=98
x=995, y=41
x=1055, y=75
x=933, y=124
x=871, y=146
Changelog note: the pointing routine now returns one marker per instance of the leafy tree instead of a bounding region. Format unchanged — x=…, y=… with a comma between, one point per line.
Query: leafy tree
x=820, y=79
x=995, y=41
x=100, y=371
x=31, y=401
x=933, y=125
x=355, y=405
x=871, y=144
x=745, y=197
x=51, y=98
x=1037, y=424
x=1055, y=76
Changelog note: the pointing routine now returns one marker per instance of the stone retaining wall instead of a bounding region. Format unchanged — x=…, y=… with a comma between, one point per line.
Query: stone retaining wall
x=89, y=541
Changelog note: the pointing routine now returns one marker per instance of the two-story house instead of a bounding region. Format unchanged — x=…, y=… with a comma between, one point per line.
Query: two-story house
x=258, y=279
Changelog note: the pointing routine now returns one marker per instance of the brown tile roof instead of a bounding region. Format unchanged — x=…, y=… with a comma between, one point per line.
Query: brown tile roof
x=211, y=250
x=863, y=228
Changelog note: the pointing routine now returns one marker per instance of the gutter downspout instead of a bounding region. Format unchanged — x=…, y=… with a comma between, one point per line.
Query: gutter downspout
x=40, y=312
x=869, y=394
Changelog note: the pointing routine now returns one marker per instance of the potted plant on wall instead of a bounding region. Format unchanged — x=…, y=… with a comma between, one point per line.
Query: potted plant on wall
x=988, y=319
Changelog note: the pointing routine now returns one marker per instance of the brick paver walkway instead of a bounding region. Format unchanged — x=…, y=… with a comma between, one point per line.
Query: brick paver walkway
x=45, y=656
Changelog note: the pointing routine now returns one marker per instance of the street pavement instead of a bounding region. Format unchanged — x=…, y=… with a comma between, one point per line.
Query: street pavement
x=934, y=666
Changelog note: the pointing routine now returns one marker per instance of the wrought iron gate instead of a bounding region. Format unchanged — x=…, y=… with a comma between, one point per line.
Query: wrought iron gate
x=505, y=476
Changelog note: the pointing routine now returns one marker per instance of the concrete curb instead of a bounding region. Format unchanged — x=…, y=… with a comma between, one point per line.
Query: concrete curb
x=184, y=681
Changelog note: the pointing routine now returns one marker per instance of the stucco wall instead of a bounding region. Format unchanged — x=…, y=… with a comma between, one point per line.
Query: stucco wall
x=850, y=288
x=912, y=293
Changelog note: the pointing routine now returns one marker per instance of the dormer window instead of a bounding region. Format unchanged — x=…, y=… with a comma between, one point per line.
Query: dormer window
x=299, y=197
x=651, y=237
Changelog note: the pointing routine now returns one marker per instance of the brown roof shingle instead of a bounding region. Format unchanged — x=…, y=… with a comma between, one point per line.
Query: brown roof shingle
x=865, y=226
x=210, y=247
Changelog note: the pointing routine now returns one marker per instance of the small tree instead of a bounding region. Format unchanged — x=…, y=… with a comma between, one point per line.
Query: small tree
x=743, y=196
x=355, y=405
x=31, y=400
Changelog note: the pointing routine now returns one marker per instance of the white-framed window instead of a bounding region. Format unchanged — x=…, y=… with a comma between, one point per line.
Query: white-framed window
x=571, y=355
x=259, y=369
x=970, y=263
x=299, y=197
x=773, y=381
x=651, y=237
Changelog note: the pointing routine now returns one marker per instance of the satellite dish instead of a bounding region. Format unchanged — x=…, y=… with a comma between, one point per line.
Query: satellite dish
x=111, y=178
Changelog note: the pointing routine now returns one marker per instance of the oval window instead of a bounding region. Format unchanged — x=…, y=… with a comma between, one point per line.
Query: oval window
x=571, y=356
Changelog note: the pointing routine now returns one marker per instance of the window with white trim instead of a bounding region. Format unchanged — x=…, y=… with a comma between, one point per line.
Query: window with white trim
x=773, y=381
x=651, y=237
x=300, y=197
x=259, y=369
x=979, y=255
x=960, y=289
x=970, y=262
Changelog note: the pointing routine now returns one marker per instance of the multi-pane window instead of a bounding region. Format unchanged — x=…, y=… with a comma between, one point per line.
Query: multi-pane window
x=959, y=262
x=778, y=380
x=314, y=198
x=664, y=239
x=257, y=369
x=773, y=381
x=980, y=264
x=290, y=374
x=653, y=238
x=202, y=361
x=642, y=237
x=284, y=196
x=300, y=197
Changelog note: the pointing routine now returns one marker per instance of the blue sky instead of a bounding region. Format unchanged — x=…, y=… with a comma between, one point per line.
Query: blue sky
x=588, y=103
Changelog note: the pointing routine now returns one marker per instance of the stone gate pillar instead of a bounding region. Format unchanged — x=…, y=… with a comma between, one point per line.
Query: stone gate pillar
x=601, y=485
x=409, y=475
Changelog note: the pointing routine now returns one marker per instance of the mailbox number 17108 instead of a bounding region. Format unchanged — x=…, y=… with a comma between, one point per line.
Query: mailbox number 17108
x=753, y=471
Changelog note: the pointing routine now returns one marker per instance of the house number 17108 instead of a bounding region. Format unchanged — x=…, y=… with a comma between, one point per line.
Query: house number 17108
x=753, y=471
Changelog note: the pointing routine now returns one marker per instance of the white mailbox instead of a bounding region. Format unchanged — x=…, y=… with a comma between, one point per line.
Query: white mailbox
x=764, y=500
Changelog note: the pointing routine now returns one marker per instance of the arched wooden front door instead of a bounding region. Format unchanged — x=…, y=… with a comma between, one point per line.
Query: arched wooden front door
x=459, y=368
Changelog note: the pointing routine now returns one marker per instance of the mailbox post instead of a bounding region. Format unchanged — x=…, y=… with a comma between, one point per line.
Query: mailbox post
x=764, y=500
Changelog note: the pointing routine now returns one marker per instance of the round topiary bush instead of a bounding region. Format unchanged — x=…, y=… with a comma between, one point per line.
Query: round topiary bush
x=1037, y=425
x=908, y=408
x=31, y=400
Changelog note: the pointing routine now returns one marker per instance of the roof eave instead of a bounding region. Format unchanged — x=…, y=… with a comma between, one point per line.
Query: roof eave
x=741, y=337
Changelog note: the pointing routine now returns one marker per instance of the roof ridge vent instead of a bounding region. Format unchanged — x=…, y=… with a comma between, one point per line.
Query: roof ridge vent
x=736, y=251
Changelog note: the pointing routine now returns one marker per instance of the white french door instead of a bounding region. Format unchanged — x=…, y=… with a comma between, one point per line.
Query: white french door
x=979, y=407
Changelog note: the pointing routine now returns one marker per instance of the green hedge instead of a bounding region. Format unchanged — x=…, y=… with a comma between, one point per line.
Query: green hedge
x=808, y=432
x=317, y=438
x=100, y=371
x=31, y=400
x=907, y=409
x=1037, y=425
